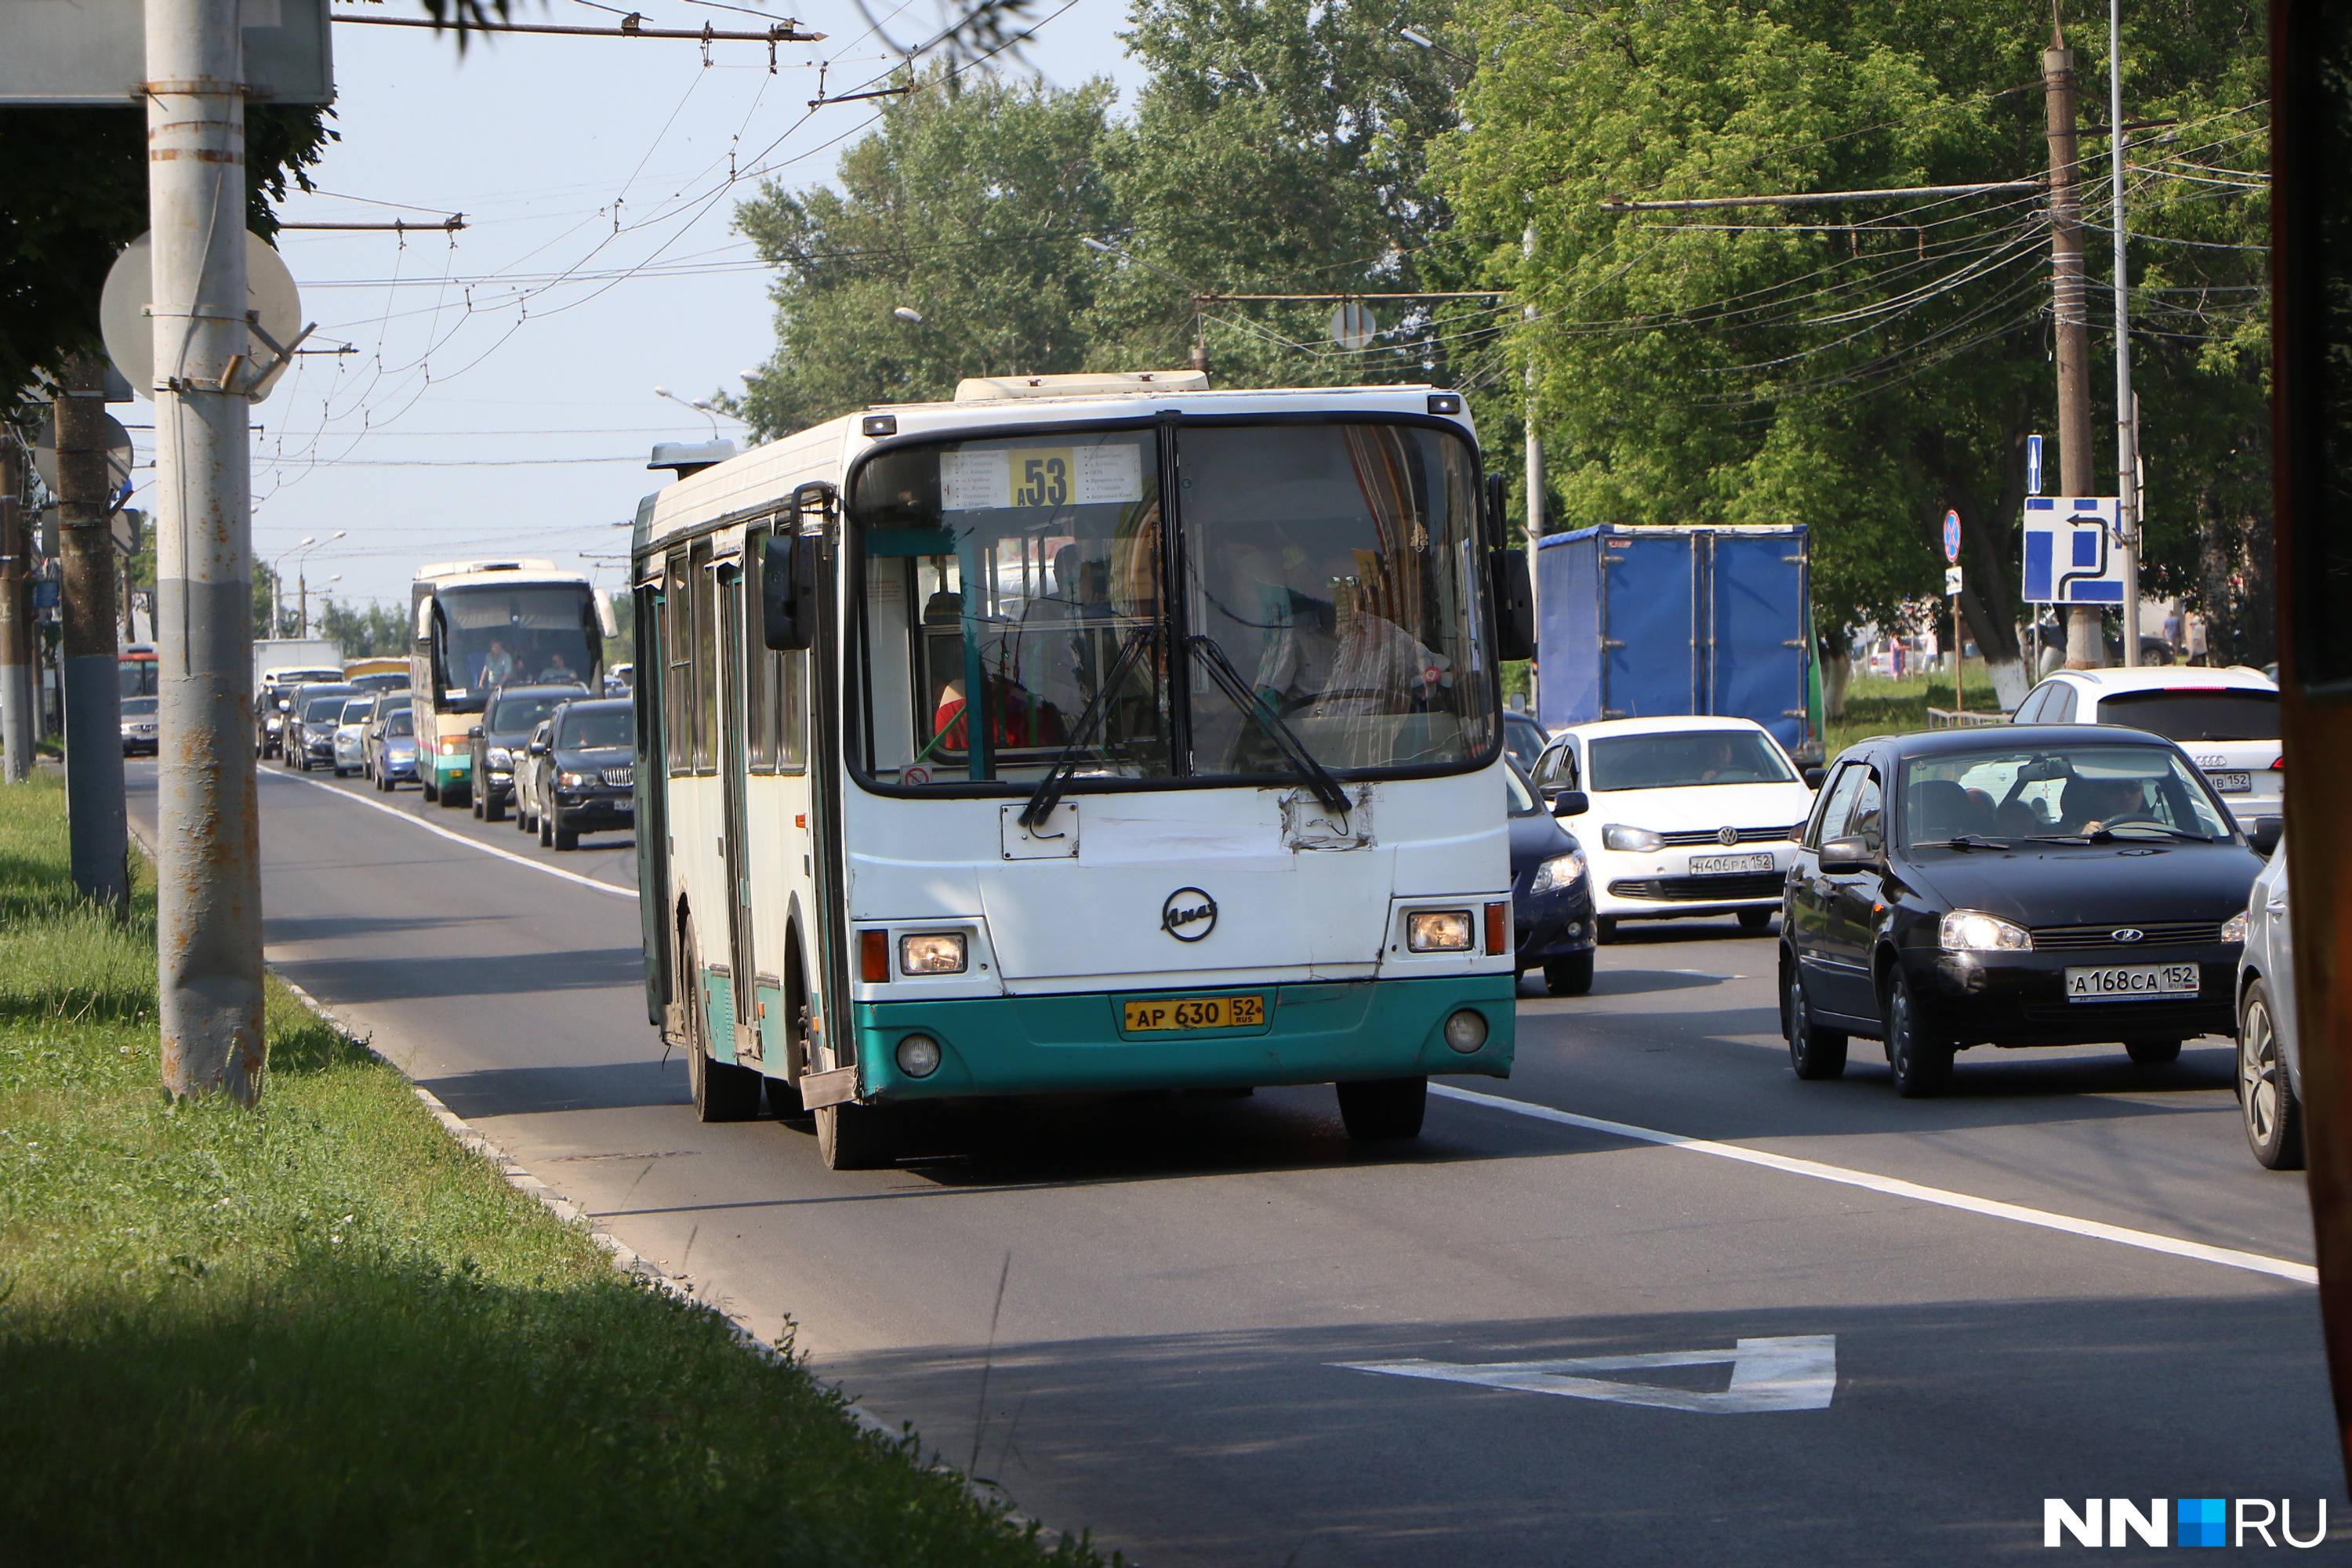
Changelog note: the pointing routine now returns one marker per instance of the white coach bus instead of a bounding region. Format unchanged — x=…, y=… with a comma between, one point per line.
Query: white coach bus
x=1083, y=733
x=481, y=625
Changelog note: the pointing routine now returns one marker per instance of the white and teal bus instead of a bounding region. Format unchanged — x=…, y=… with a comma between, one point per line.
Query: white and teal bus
x=1083, y=733
x=480, y=625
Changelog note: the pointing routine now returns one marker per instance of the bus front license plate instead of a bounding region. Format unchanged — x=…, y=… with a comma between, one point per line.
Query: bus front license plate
x=1183, y=1013
x=2131, y=982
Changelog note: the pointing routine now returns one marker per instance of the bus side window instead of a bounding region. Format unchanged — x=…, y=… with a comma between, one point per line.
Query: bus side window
x=758, y=662
x=677, y=650
x=792, y=710
x=703, y=581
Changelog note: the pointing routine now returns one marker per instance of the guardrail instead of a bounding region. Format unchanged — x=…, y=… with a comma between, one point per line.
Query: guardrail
x=1946, y=719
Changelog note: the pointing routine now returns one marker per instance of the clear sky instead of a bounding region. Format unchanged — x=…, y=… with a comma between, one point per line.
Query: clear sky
x=500, y=395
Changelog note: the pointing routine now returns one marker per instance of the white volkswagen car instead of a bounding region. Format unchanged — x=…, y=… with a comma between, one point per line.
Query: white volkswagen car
x=1682, y=816
x=2226, y=720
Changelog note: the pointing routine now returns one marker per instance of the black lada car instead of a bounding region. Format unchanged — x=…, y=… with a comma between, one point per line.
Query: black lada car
x=2036, y=885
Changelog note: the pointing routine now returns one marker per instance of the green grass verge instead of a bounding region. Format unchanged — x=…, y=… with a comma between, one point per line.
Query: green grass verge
x=321, y=1332
x=1877, y=706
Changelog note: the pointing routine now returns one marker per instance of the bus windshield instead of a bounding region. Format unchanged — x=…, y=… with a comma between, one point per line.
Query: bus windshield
x=1326, y=604
x=492, y=635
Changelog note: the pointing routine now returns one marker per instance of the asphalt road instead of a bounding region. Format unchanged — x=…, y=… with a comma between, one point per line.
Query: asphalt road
x=1147, y=1317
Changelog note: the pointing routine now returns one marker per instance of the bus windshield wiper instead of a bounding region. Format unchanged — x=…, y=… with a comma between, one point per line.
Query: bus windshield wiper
x=1318, y=777
x=1048, y=792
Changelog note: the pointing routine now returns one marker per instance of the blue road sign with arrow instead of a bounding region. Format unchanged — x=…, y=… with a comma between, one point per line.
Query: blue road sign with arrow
x=2033, y=465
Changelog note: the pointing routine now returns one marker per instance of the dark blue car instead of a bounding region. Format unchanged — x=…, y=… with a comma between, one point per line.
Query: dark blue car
x=1552, y=895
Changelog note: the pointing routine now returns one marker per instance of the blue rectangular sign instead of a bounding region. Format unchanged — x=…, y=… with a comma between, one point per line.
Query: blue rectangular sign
x=2070, y=556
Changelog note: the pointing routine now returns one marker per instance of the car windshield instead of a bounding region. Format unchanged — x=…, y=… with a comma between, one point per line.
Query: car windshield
x=526, y=634
x=401, y=723
x=597, y=729
x=1324, y=588
x=323, y=709
x=1523, y=738
x=2056, y=793
x=2180, y=713
x=516, y=713
x=1520, y=800
x=138, y=704
x=394, y=682
x=1683, y=760
x=358, y=708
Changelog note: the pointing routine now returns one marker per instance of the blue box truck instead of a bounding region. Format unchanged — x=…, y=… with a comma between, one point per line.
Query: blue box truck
x=1636, y=622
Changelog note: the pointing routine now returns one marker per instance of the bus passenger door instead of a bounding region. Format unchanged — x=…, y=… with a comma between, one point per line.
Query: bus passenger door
x=734, y=762
x=651, y=823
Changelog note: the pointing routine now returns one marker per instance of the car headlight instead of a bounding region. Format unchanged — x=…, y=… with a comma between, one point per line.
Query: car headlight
x=1559, y=872
x=2234, y=928
x=1973, y=930
x=1640, y=840
x=931, y=953
x=499, y=757
x=1438, y=931
x=571, y=781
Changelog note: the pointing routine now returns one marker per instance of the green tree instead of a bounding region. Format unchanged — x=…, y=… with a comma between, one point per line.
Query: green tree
x=73, y=193
x=1281, y=147
x=1861, y=368
x=368, y=630
x=965, y=206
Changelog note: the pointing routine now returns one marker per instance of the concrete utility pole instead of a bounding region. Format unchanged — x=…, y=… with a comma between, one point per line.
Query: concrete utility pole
x=19, y=725
x=2127, y=406
x=2085, y=646
x=209, y=898
x=89, y=674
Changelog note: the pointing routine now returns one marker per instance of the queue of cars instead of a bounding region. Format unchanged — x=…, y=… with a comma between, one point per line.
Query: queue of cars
x=2103, y=869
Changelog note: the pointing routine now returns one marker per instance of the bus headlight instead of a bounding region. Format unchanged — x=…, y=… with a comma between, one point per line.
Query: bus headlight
x=918, y=1055
x=1466, y=1031
x=1438, y=931
x=931, y=953
x=1559, y=872
x=1639, y=840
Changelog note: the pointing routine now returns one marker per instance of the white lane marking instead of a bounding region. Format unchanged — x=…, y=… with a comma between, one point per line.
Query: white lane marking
x=459, y=837
x=2253, y=1262
x=1797, y=1371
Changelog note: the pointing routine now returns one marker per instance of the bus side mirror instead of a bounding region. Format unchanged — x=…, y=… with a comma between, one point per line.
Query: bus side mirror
x=1515, y=606
x=788, y=591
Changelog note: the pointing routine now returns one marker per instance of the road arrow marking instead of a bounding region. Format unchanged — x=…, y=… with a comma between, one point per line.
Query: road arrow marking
x=1797, y=1372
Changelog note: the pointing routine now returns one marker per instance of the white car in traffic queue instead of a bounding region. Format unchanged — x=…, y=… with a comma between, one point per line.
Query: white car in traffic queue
x=1682, y=815
x=2270, y=1069
x=2226, y=720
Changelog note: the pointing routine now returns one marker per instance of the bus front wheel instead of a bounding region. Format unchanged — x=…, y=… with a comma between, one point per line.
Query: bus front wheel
x=853, y=1137
x=1383, y=1108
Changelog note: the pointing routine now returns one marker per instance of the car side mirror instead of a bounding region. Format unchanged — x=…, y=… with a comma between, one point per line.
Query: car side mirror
x=1858, y=853
x=475, y=734
x=1515, y=604
x=2265, y=836
x=287, y=706
x=1571, y=803
x=1813, y=777
x=788, y=591
x=536, y=749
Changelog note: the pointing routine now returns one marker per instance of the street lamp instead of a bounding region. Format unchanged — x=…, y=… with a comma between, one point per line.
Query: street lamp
x=699, y=405
x=914, y=318
x=302, y=582
x=277, y=587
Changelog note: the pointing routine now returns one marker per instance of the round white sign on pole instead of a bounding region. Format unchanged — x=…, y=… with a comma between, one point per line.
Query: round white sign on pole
x=130, y=332
x=1353, y=326
x=118, y=455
